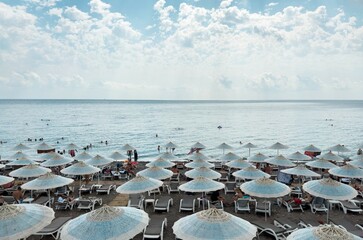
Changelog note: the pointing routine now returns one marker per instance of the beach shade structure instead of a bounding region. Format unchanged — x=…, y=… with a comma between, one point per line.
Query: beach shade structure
x=170, y=146
x=47, y=181
x=44, y=148
x=347, y=171
x=168, y=156
x=198, y=156
x=198, y=146
x=298, y=156
x=322, y=232
x=80, y=168
x=19, y=221
x=99, y=160
x=278, y=146
x=156, y=173
x=201, y=184
x=127, y=147
x=21, y=162
x=330, y=189
x=17, y=155
x=118, y=157
x=358, y=162
x=202, y=172
x=300, y=170
x=20, y=147
x=160, y=162
x=250, y=173
x=71, y=146
x=312, y=148
x=339, y=148
x=321, y=164
x=46, y=156
x=199, y=163
x=31, y=170
x=213, y=224
x=249, y=146
x=265, y=188
x=357, y=157
x=239, y=163
x=2, y=165
x=331, y=157
x=229, y=157
x=139, y=184
x=57, y=160
x=280, y=161
x=83, y=156
x=5, y=180
x=257, y=158
x=224, y=146
x=106, y=223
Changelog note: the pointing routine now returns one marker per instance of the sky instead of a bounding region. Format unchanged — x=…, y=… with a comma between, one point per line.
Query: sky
x=181, y=50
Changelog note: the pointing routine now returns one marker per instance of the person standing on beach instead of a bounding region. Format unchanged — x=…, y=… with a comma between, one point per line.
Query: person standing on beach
x=159, y=148
x=136, y=156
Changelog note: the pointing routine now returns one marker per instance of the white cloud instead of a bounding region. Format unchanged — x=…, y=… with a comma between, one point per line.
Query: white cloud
x=272, y=4
x=97, y=6
x=43, y=3
x=166, y=23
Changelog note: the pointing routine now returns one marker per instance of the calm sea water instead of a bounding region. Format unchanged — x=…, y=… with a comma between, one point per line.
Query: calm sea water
x=294, y=123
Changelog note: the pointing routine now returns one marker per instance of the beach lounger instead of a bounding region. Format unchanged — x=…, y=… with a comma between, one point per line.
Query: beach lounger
x=173, y=187
x=187, y=203
x=175, y=177
x=291, y=205
x=308, y=221
x=263, y=206
x=287, y=223
x=216, y=204
x=62, y=191
x=318, y=205
x=42, y=201
x=229, y=187
x=105, y=189
x=242, y=204
x=154, y=191
x=350, y=206
x=54, y=228
x=87, y=188
x=275, y=231
x=347, y=225
x=63, y=205
x=224, y=177
x=217, y=165
x=136, y=201
x=163, y=204
x=155, y=229
x=9, y=199
x=86, y=204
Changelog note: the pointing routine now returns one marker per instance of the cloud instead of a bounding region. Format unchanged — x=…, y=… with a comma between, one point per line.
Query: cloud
x=272, y=4
x=166, y=23
x=225, y=82
x=43, y=3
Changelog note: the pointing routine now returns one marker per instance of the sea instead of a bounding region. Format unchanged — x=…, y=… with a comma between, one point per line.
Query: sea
x=147, y=124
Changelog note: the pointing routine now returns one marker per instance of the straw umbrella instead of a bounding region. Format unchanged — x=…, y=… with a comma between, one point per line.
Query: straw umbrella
x=106, y=223
x=160, y=162
x=2, y=165
x=128, y=148
x=330, y=189
x=277, y=146
x=331, y=157
x=199, y=163
x=71, y=146
x=321, y=163
x=239, y=163
x=322, y=232
x=339, y=148
x=43, y=148
x=20, y=147
x=202, y=172
x=198, y=146
x=298, y=156
x=17, y=155
x=257, y=158
x=229, y=157
x=46, y=156
x=250, y=173
x=357, y=161
x=19, y=221
x=47, y=181
x=213, y=224
x=156, y=173
x=312, y=148
x=265, y=188
x=5, y=180
x=348, y=171
x=249, y=146
x=31, y=170
x=21, y=162
x=139, y=184
x=168, y=156
x=83, y=156
x=280, y=161
x=201, y=185
x=224, y=146
x=80, y=169
x=57, y=160
x=118, y=157
x=300, y=170
x=170, y=146
x=198, y=156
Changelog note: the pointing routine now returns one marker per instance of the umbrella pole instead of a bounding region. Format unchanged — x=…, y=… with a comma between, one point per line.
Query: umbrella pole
x=265, y=210
x=249, y=152
x=50, y=205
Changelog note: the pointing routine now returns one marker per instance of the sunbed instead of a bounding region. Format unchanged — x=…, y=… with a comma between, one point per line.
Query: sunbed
x=187, y=203
x=86, y=188
x=86, y=204
x=242, y=204
x=54, y=228
x=105, y=189
x=318, y=205
x=275, y=231
x=308, y=221
x=287, y=223
x=263, y=206
x=173, y=187
x=155, y=229
x=350, y=206
x=229, y=187
x=163, y=203
x=136, y=201
x=350, y=227
x=42, y=201
x=9, y=199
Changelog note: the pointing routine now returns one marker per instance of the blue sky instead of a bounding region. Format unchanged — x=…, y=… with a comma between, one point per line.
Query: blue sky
x=159, y=49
